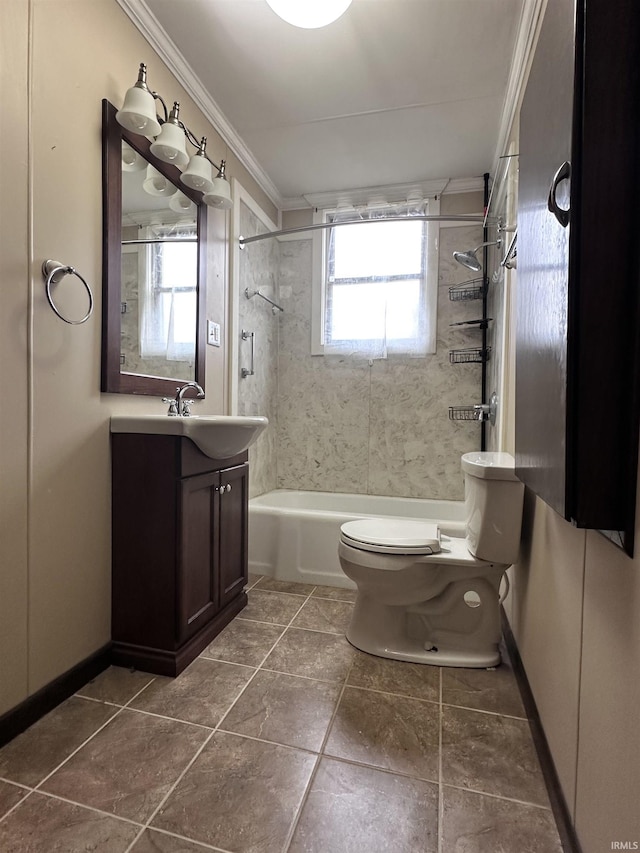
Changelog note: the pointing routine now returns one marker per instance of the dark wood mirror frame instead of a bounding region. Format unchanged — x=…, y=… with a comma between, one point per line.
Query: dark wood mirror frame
x=112, y=379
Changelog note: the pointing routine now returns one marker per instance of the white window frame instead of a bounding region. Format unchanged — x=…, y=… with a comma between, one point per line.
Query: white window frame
x=318, y=278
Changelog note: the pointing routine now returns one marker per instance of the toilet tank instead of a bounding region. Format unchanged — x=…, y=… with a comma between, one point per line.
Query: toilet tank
x=493, y=506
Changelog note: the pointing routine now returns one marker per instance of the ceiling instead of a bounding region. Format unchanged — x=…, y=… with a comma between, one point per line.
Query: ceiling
x=394, y=92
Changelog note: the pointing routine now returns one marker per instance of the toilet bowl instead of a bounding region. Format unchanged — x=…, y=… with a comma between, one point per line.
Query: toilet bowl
x=429, y=598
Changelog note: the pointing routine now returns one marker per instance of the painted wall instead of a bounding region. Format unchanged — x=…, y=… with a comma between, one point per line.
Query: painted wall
x=54, y=422
x=347, y=425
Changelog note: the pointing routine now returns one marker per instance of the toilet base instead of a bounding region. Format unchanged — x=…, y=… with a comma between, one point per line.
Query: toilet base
x=443, y=631
x=412, y=652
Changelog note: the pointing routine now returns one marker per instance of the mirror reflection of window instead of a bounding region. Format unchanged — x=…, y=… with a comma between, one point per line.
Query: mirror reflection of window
x=168, y=297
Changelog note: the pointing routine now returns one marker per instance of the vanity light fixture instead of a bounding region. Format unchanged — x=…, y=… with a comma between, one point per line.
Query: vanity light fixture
x=220, y=194
x=309, y=14
x=170, y=145
x=138, y=115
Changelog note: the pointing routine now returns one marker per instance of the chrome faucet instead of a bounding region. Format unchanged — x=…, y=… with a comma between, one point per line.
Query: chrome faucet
x=179, y=407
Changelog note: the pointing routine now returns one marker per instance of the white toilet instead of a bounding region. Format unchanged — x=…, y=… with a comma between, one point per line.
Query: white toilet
x=429, y=598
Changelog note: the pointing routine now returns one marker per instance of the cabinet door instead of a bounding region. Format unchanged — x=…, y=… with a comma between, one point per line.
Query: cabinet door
x=196, y=588
x=234, y=509
x=543, y=261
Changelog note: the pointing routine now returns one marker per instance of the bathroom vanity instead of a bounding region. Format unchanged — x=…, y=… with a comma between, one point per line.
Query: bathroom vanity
x=179, y=549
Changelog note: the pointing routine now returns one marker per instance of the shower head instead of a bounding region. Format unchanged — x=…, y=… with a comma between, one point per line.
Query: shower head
x=469, y=259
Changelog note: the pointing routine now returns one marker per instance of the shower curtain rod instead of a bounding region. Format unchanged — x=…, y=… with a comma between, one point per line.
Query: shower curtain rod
x=439, y=217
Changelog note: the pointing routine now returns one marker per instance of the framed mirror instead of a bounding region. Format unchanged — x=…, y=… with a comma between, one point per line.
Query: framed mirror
x=153, y=275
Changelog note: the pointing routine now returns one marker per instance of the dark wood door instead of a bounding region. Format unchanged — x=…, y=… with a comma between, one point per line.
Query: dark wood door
x=233, y=568
x=543, y=261
x=197, y=593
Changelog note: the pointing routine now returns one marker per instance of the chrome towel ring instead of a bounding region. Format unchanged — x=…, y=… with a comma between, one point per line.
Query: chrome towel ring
x=54, y=272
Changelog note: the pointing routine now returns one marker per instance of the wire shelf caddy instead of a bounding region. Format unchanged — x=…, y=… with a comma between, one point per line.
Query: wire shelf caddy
x=470, y=355
x=468, y=290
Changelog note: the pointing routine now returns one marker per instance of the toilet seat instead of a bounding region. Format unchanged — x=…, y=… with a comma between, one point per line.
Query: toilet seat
x=392, y=536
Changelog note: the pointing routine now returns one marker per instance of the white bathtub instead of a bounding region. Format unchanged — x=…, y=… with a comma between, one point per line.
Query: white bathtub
x=293, y=536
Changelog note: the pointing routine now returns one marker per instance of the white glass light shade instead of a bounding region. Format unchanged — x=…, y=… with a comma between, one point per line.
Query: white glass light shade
x=181, y=204
x=156, y=184
x=131, y=160
x=309, y=14
x=197, y=175
x=220, y=195
x=138, y=113
x=170, y=145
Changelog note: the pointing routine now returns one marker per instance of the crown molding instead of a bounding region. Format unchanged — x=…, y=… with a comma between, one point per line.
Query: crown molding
x=148, y=26
x=526, y=39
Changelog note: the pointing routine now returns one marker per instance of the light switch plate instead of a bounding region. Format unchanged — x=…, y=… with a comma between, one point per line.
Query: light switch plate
x=213, y=333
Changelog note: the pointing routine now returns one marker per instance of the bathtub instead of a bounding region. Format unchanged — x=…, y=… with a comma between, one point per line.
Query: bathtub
x=293, y=536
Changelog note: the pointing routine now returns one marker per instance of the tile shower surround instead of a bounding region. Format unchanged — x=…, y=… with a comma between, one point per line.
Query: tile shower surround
x=281, y=737
x=345, y=425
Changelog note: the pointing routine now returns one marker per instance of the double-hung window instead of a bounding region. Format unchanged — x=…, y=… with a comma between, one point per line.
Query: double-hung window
x=378, y=287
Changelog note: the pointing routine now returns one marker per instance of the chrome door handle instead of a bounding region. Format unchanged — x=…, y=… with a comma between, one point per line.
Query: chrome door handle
x=563, y=174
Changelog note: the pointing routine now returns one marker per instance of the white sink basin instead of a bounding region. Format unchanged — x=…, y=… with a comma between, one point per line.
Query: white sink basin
x=218, y=436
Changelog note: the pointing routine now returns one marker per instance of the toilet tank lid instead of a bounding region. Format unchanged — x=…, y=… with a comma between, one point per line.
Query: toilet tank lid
x=489, y=465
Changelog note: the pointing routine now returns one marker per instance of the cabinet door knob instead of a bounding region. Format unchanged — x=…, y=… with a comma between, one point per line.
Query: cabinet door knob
x=563, y=174
x=228, y=487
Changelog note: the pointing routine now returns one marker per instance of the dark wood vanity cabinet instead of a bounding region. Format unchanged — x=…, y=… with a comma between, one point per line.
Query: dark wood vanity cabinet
x=179, y=549
x=578, y=322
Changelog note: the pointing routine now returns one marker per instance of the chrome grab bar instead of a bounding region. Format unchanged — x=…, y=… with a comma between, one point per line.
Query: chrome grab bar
x=245, y=336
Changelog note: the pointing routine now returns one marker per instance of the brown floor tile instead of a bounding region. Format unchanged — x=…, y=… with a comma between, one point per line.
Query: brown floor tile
x=252, y=580
x=353, y=809
x=285, y=709
x=129, y=766
x=152, y=841
x=46, y=825
x=202, y=694
x=273, y=585
x=321, y=614
x=326, y=657
x=9, y=796
x=392, y=676
x=240, y=794
x=335, y=592
x=389, y=732
x=491, y=825
x=116, y=684
x=492, y=754
x=279, y=608
x=244, y=642
x=484, y=690
x=35, y=753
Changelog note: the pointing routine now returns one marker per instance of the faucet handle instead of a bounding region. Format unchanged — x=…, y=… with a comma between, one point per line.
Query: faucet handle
x=186, y=407
x=173, y=407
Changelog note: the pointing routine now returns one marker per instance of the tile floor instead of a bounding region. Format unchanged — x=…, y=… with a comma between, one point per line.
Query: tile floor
x=281, y=737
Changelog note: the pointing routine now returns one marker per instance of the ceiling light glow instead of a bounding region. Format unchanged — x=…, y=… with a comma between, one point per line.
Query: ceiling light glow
x=309, y=14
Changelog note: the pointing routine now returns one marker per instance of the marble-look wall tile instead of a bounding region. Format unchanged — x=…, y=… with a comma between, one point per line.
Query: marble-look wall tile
x=258, y=394
x=323, y=424
x=380, y=428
